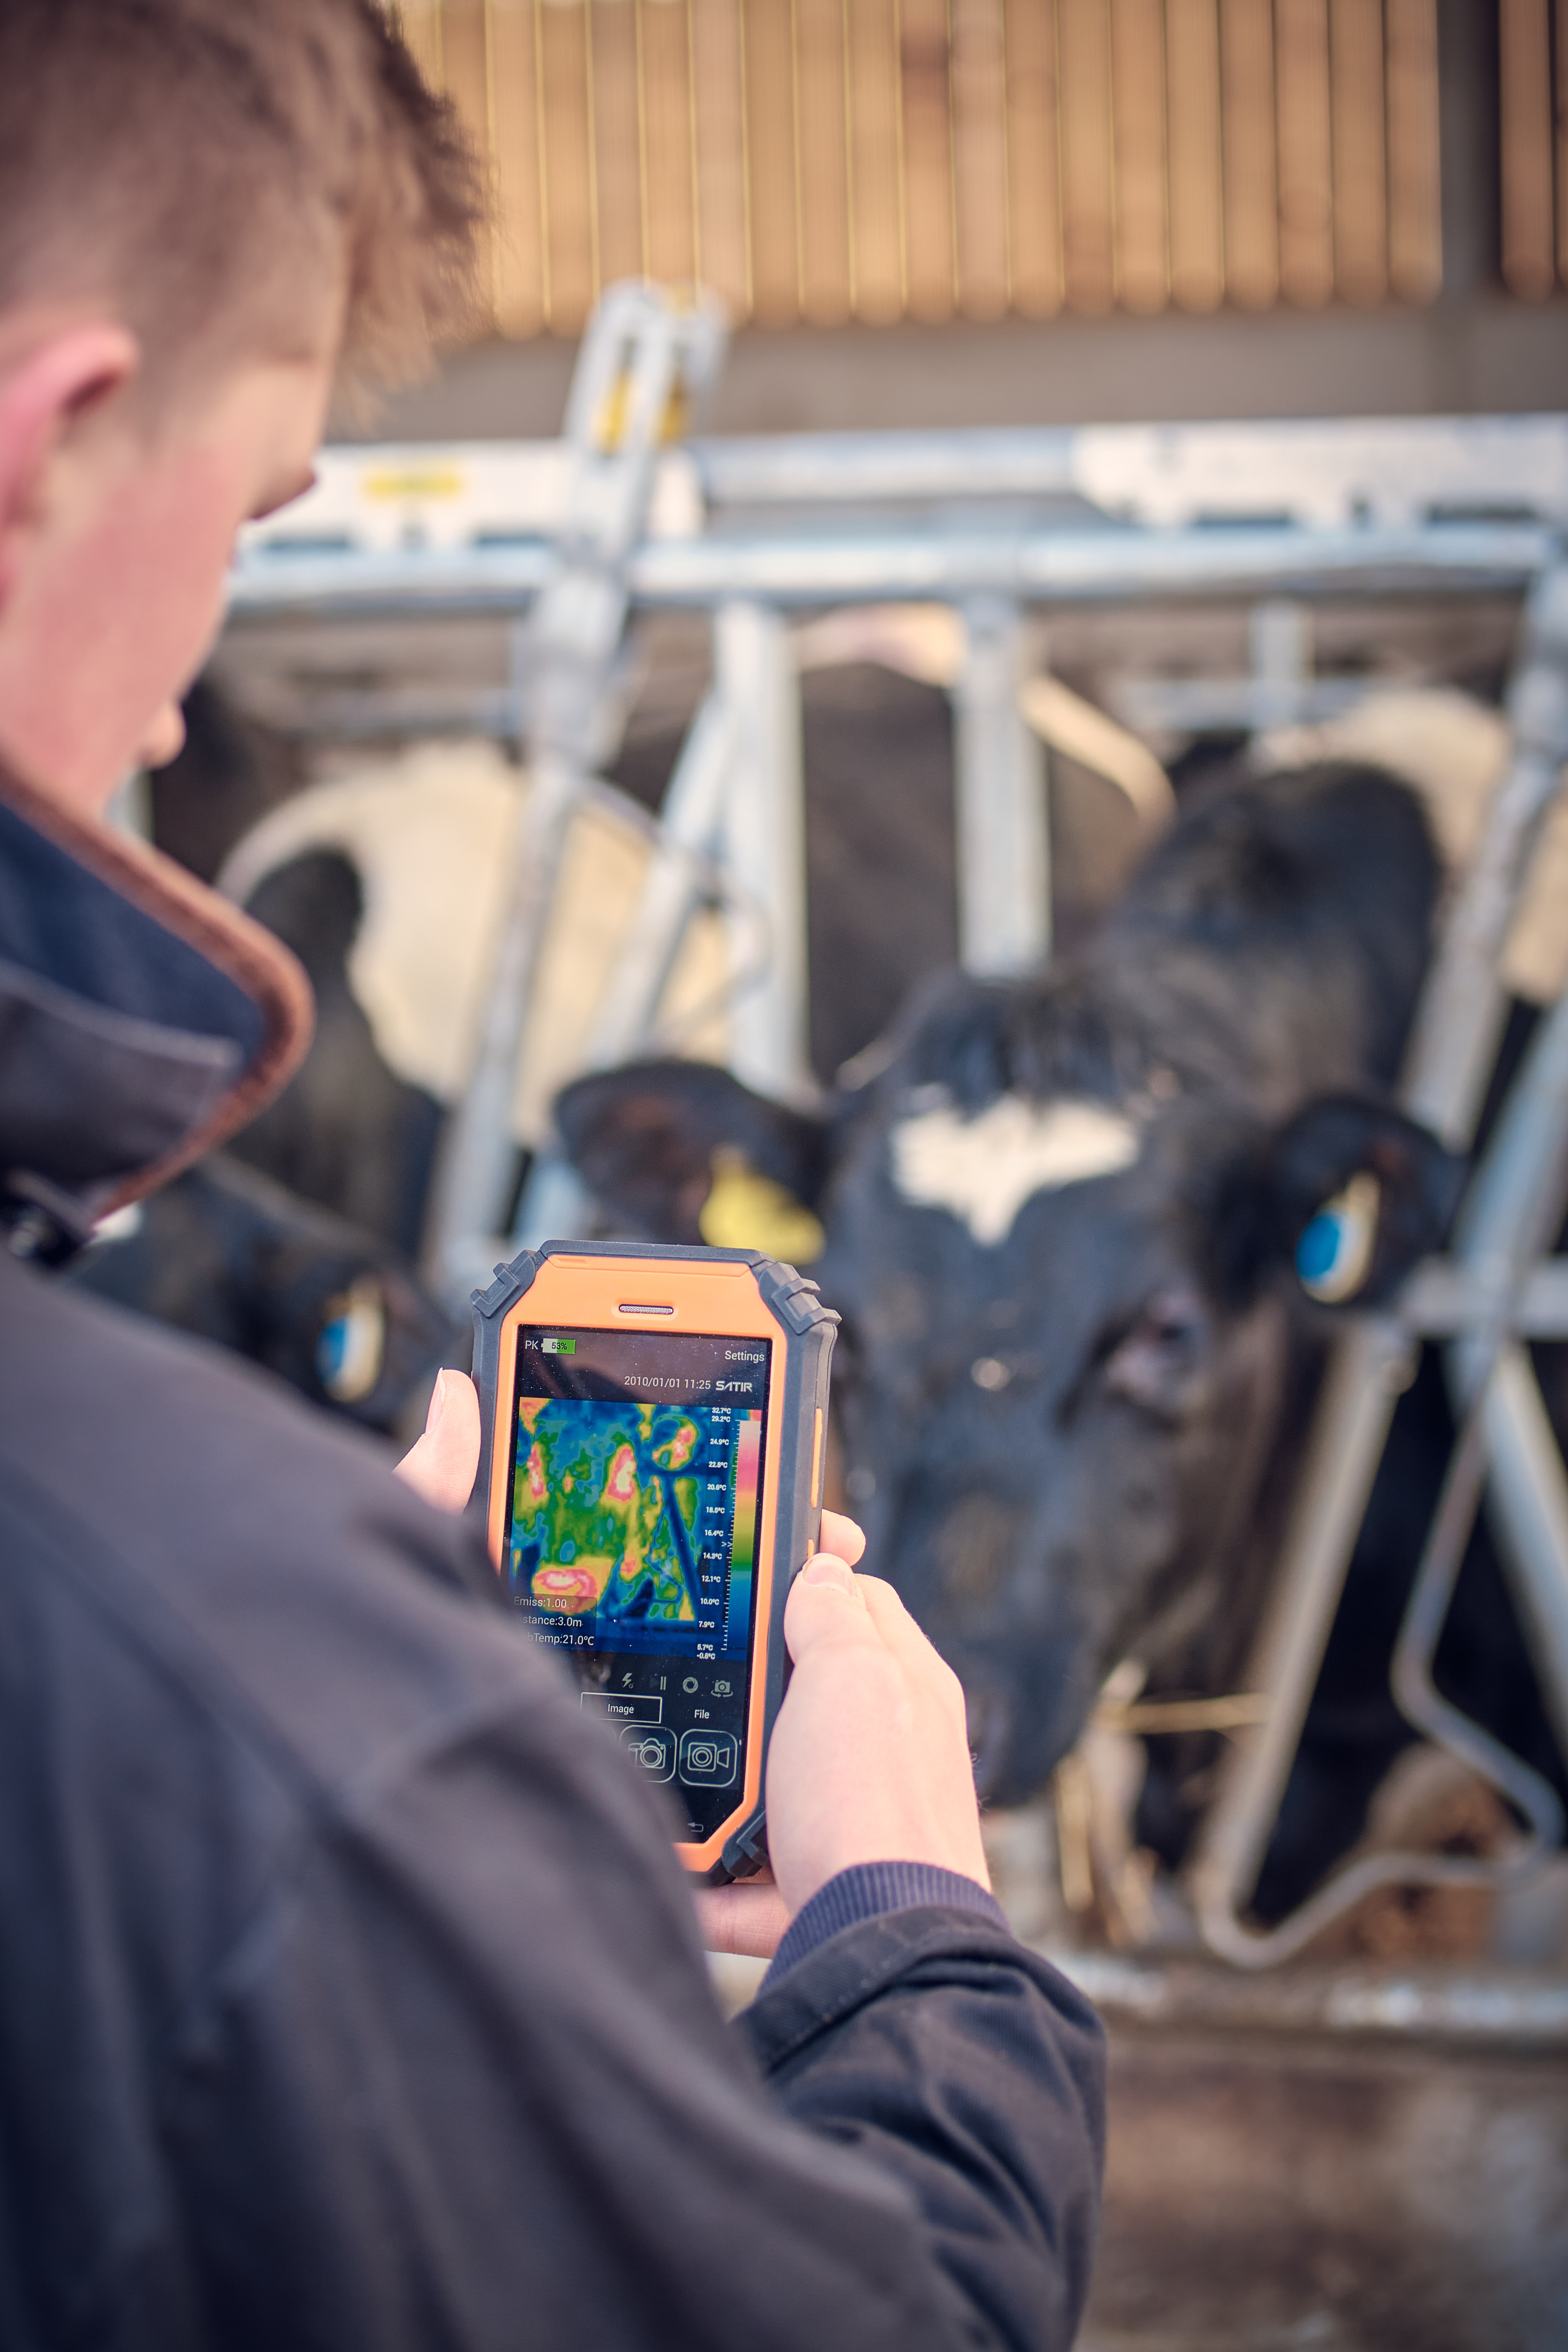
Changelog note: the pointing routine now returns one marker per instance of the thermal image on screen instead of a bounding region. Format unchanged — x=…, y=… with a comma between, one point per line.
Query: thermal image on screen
x=638, y=1517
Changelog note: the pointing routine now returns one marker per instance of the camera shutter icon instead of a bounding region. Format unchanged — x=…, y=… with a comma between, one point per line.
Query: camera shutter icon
x=651, y=1749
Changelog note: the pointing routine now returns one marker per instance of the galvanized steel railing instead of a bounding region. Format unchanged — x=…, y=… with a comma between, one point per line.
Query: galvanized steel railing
x=568, y=538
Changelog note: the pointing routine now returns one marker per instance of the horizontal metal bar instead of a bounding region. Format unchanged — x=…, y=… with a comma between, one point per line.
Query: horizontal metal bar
x=1039, y=567
x=361, y=584
x=1321, y=470
x=1108, y=566
x=1316, y=473
x=1243, y=705
x=788, y=468
x=1443, y=1300
x=328, y=715
x=1479, y=2008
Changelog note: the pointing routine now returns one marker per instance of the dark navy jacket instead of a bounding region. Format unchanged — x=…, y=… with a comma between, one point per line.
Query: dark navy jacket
x=350, y=1995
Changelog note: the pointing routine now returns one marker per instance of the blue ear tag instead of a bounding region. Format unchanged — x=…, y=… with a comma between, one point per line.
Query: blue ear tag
x=1335, y=1254
x=352, y=1345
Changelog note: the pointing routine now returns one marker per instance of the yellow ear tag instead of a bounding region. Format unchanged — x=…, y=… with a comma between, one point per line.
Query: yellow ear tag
x=745, y=1211
x=1333, y=1255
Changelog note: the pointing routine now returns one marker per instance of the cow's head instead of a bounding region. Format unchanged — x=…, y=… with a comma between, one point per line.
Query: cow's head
x=227, y=1254
x=1075, y=1303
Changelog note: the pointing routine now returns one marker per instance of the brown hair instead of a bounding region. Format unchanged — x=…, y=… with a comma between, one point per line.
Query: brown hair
x=217, y=170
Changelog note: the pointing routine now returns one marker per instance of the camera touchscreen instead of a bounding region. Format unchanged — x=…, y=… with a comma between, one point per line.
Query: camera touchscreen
x=635, y=1500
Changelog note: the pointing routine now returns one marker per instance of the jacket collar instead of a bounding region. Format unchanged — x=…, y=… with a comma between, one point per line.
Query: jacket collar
x=142, y=1021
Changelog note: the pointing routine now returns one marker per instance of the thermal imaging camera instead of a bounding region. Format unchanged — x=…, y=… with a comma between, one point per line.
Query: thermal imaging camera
x=655, y=1429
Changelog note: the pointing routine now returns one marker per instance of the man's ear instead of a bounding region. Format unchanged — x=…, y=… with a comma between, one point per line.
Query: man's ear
x=1347, y=1196
x=42, y=395
x=681, y=1152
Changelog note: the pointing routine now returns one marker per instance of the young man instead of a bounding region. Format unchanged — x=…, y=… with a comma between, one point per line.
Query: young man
x=349, y=1992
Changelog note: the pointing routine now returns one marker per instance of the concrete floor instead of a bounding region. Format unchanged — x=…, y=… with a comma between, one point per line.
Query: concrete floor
x=1265, y=2192
x=1276, y=2185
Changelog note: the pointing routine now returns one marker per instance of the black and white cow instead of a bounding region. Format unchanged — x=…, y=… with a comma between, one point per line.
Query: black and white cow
x=295, y=1247
x=385, y=883
x=1062, y=1220
x=226, y=1254
x=1067, y=1222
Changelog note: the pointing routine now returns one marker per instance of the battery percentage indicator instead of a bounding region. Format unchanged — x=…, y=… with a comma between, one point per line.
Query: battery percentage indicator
x=558, y=1347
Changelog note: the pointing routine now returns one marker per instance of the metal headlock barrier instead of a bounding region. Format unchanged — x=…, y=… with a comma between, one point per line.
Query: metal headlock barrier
x=566, y=539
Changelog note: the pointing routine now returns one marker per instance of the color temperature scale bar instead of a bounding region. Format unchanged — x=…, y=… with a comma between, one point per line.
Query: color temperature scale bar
x=745, y=1472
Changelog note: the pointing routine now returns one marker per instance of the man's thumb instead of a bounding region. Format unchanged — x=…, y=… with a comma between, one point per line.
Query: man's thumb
x=825, y=1603
x=442, y=1465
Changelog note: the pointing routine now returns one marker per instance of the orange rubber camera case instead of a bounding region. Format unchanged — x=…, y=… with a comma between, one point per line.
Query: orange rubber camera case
x=718, y=1293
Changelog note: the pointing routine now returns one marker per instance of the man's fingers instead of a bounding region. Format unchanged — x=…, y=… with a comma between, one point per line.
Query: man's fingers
x=842, y=1537
x=830, y=1605
x=883, y=1602
x=443, y=1463
x=913, y=1648
x=825, y=1608
x=891, y=1618
x=748, y=1920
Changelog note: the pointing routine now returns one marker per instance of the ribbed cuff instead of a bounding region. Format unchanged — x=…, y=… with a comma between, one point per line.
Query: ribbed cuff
x=871, y=1888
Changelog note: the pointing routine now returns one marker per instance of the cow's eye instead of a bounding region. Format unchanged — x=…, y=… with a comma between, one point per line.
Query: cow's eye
x=1160, y=1358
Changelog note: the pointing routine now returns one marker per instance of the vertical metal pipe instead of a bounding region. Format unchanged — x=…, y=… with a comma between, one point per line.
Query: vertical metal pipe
x=1463, y=1005
x=1004, y=840
x=643, y=358
x=554, y=1204
x=764, y=840
x=693, y=809
x=1514, y=1212
x=1369, y=1370
x=1527, y=1503
x=1281, y=635
x=1451, y=1058
x=474, y=1169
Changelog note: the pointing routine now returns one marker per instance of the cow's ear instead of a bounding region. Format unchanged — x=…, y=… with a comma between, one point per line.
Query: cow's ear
x=1347, y=1196
x=681, y=1152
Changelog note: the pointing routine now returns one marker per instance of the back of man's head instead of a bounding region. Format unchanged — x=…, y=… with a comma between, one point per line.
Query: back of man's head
x=229, y=175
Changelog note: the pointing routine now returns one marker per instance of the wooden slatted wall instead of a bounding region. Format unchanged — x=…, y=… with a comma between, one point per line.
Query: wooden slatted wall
x=830, y=160
x=1533, y=75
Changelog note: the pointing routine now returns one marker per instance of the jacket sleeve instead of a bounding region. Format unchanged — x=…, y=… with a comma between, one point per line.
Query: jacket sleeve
x=462, y=2081
x=970, y=2070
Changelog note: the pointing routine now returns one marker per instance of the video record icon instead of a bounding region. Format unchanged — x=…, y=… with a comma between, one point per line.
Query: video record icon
x=708, y=1759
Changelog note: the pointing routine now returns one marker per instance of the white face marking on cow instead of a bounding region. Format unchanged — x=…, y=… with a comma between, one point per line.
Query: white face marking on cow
x=983, y=1170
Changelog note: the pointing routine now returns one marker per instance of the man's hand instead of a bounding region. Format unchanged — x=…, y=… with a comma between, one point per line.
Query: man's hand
x=870, y=1759
x=443, y=1465
x=748, y=1919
